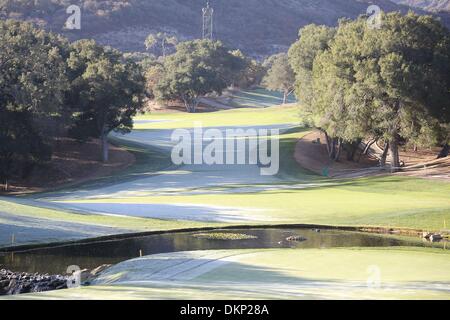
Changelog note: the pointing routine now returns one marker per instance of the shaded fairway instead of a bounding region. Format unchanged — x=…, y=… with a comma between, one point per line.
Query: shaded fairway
x=153, y=195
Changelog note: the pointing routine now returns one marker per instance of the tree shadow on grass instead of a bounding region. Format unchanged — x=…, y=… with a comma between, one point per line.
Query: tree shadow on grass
x=243, y=281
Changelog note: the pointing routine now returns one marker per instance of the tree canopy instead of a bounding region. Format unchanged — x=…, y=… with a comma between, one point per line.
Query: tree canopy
x=32, y=86
x=280, y=76
x=108, y=91
x=49, y=88
x=390, y=83
x=197, y=68
x=161, y=42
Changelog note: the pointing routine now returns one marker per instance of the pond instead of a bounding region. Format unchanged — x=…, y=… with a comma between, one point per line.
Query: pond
x=55, y=260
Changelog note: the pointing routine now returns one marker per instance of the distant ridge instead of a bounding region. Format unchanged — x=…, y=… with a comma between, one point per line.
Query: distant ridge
x=428, y=5
x=258, y=27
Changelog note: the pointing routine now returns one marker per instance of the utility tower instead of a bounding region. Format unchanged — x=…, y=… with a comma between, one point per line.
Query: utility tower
x=208, y=21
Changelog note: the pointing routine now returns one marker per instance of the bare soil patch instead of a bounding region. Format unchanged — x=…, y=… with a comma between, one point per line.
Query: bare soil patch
x=313, y=155
x=71, y=163
x=421, y=163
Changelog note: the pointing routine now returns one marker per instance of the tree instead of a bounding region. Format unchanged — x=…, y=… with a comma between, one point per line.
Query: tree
x=32, y=87
x=391, y=82
x=280, y=77
x=153, y=74
x=107, y=92
x=197, y=68
x=21, y=145
x=313, y=40
x=161, y=41
x=252, y=72
x=32, y=64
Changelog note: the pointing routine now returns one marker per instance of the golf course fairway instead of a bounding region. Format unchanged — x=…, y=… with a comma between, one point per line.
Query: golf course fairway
x=155, y=195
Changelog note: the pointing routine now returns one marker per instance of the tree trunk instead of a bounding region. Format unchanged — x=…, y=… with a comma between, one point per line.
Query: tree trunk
x=366, y=149
x=190, y=106
x=394, y=154
x=368, y=146
x=285, y=96
x=444, y=152
x=338, y=151
x=332, y=153
x=384, y=155
x=105, y=147
x=327, y=139
x=6, y=185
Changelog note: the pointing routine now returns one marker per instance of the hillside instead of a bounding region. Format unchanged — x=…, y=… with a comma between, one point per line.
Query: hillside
x=429, y=5
x=258, y=27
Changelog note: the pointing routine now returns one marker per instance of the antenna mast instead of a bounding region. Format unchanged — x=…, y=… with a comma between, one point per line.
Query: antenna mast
x=208, y=21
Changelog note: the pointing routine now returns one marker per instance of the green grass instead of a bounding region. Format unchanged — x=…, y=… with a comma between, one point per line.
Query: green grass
x=377, y=201
x=394, y=273
x=236, y=117
x=390, y=201
x=260, y=98
x=148, y=161
x=8, y=206
x=289, y=168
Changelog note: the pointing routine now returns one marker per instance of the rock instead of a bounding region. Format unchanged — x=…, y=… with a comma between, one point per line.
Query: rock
x=426, y=235
x=100, y=269
x=87, y=276
x=22, y=282
x=436, y=237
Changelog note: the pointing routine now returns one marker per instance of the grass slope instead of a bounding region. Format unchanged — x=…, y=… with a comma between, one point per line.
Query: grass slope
x=11, y=207
x=300, y=197
x=258, y=98
x=228, y=118
x=376, y=273
x=377, y=201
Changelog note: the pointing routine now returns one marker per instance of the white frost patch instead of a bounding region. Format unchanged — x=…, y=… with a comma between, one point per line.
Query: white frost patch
x=185, y=211
x=180, y=266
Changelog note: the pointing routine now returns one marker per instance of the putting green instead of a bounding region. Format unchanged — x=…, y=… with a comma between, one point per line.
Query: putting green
x=378, y=273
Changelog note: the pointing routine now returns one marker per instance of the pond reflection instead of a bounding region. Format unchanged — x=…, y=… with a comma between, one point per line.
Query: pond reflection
x=91, y=255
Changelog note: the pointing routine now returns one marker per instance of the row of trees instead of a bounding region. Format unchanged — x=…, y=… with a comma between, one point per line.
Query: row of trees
x=50, y=88
x=390, y=84
x=195, y=69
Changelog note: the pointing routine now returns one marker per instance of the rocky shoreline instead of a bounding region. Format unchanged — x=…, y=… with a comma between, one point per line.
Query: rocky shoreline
x=12, y=283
